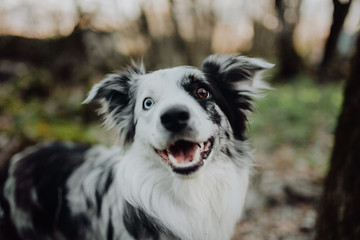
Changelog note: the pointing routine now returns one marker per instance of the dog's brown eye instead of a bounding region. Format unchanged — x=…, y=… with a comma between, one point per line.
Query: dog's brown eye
x=202, y=93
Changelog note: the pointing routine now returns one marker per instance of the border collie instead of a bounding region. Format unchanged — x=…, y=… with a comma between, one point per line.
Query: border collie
x=179, y=171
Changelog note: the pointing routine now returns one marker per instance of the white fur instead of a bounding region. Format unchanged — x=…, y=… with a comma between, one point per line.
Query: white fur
x=163, y=87
x=205, y=205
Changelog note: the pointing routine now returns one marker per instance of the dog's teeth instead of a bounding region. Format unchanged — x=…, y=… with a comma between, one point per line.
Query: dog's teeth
x=171, y=157
x=197, y=154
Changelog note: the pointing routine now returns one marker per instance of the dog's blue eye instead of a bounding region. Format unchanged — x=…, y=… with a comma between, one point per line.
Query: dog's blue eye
x=148, y=103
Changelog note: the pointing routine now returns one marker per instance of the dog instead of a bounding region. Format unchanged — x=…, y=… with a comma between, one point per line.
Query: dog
x=180, y=169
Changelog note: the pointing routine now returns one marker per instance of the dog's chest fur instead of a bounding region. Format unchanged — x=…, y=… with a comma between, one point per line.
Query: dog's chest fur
x=158, y=206
x=92, y=199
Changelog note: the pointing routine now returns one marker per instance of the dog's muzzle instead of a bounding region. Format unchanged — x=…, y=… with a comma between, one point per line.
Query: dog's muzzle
x=185, y=157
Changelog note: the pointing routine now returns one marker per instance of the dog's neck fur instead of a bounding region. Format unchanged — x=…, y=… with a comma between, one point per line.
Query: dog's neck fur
x=203, y=206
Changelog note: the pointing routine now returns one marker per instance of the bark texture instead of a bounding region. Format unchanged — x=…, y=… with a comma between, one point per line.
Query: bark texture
x=339, y=213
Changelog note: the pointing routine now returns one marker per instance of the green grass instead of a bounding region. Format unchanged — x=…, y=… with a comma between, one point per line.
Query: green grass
x=31, y=121
x=301, y=115
x=36, y=119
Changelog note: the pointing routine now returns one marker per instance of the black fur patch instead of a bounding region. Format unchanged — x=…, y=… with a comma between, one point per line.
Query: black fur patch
x=227, y=150
x=46, y=171
x=191, y=84
x=142, y=226
x=232, y=102
x=227, y=135
x=110, y=229
x=109, y=180
x=119, y=100
x=98, y=198
x=138, y=224
x=104, y=182
x=116, y=91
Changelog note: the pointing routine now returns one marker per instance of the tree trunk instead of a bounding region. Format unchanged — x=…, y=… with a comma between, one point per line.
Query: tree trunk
x=290, y=62
x=339, y=213
x=341, y=9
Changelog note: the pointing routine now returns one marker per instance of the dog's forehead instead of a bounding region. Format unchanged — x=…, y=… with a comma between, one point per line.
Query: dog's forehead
x=170, y=77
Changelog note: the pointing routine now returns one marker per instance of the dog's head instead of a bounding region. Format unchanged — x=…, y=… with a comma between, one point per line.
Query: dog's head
x=182, y=114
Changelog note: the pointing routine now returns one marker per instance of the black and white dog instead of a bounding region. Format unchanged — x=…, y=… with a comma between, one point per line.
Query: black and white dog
x=180, y=170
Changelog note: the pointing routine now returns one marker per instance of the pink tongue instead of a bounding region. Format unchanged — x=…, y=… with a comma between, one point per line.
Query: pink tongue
x=183, y=151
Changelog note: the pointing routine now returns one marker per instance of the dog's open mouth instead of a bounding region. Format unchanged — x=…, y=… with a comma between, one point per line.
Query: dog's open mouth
x=185, y=157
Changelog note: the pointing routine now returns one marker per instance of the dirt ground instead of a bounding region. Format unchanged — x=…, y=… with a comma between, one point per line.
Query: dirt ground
x=281, y=202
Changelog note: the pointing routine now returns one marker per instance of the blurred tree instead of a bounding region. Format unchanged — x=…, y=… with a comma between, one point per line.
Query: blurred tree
x=263, y=41
x=339, y=213
x=165, y=49
x=173, y=47
x=289, y=61
x=73, y=58
x=204, y=21
x=341, y=9
x=58, y=55
x=180, y=42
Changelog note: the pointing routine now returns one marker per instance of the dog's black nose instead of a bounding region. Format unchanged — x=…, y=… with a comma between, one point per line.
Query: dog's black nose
x=176, y=118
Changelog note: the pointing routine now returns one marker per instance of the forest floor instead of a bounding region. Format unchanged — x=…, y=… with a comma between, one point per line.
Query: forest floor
x=281, y=202
x=292, y=134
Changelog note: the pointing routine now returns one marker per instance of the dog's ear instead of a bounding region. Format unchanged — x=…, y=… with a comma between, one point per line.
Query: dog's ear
x=236, y=81
x=116, y=94
x=240, y=71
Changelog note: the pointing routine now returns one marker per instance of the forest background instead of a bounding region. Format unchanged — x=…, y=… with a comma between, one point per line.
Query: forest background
x=52, y=52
